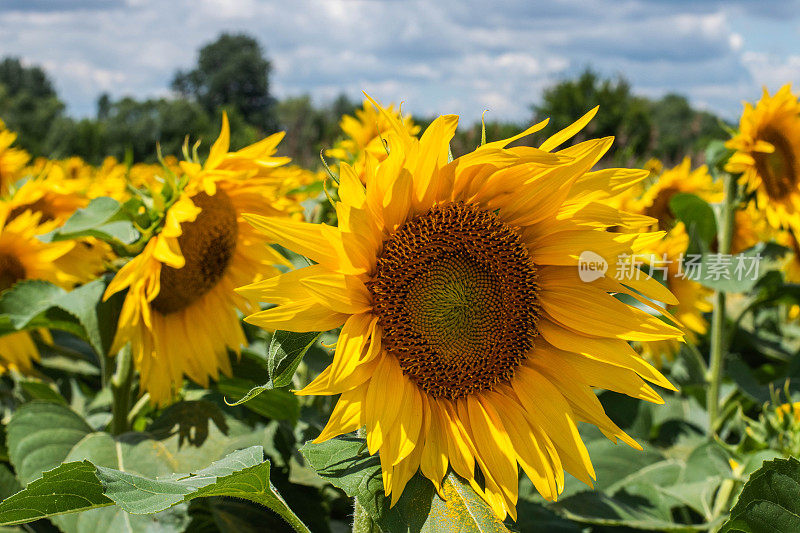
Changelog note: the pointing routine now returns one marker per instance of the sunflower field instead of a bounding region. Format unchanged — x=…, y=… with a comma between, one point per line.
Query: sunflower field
x=520, y=337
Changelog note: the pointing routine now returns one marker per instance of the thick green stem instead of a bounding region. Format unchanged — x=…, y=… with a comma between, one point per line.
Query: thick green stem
x=121, y=391
x=362, y=522
x=718, y=348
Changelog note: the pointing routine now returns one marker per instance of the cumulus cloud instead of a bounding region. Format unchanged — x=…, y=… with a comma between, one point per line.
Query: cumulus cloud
x=453, y=56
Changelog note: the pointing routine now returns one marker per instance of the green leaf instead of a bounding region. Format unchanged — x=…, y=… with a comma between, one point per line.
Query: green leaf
x=621, y=510
x=27, y=299
x=243, y=474
x=536, y=517
x=270, y=403
x=191, y=419
x=8, y=483
x=35, y=304
x=736, y=273
x=770, y=500
x=37, y=390
x=345, y=465
x=286, y=350
x=69, y=488
x=41, y=435
x=104, y=218
x=697, y=215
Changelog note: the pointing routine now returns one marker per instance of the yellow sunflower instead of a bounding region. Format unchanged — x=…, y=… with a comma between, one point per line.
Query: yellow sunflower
x=180, y=312
x=768, y=156
x=468, y=337
x=12, y=160
x=694, y=300
x=655, y=200
x=50, y=194
x=364, y=135
x=23, y=256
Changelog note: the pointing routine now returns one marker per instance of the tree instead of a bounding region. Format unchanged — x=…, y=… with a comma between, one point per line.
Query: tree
x=231, y=72
x=680, y=129
x=29, y=104
x=622, y=115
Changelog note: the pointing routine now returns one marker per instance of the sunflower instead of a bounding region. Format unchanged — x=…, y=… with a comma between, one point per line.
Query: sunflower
x=12, y=160
x=364, y=135
x=694, y=300
x=180, y=311
x=768, y=156
x=467, y=335
x=23, y=256
x=655, y=200
x=50, y=194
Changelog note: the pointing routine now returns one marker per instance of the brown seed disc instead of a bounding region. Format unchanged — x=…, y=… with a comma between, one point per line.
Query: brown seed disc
x=778, y=170
x=207, y=244
x=40, y=206
x=11, y=271
x=456, y=295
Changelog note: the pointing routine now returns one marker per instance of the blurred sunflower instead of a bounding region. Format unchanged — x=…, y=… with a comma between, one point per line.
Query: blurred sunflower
x=22, y=257
x=694, y=300
x=768, y=156
x=180, y=312
x=363, y=135
x=655, y=200
x=12, y=160
x=457, y=287
x=50, y=194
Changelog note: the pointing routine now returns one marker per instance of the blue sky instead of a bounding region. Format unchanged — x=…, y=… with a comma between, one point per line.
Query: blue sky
x=444, y=56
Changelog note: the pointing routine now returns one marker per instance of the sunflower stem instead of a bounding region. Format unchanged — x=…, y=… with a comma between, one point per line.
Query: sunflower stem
x=121, y=384
x=362, y=522
x=718, y=348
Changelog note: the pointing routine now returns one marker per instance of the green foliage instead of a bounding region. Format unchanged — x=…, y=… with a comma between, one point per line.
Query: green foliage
x=680, y=130
x=29, y=104
x=35, y=304
x=344, y=463
x=698, y=217
x=104, y=218
x=286, y=351
x=668, y=128
x=231, y=72
x=770, y=501
x=68, y=488
x=624, y=115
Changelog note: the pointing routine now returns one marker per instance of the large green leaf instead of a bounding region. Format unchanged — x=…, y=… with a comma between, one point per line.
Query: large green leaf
x=642, y=490
x=104, y=218
x=243, y=474
x=770, y=500
x=35, y=304
x=8, y=483
x=737, y=273
x=68, y=488
x=697, y=216
x=343, y=463
x=621, y=510
x=42, y=435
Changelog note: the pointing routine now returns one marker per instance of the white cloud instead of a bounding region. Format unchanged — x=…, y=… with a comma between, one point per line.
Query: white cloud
x=449, y=56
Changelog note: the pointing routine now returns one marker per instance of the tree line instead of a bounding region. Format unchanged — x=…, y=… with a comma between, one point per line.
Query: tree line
x=233, y=74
